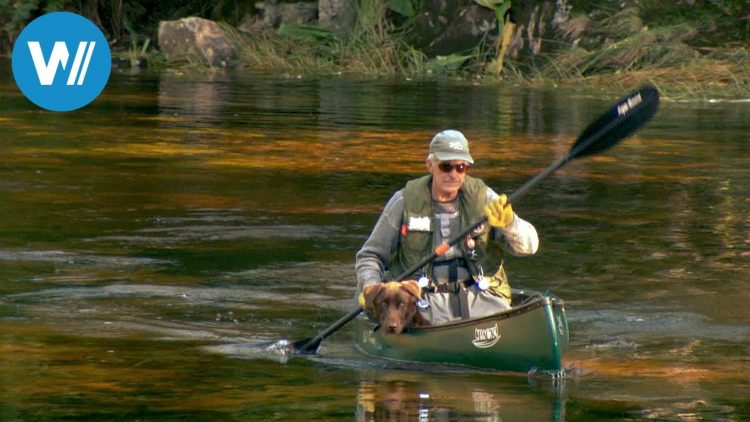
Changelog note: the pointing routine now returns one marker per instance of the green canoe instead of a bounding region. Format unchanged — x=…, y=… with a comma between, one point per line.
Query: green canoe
x=531, y=336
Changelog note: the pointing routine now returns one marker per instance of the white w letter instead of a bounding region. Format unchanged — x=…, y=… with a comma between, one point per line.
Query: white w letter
x=46, y=71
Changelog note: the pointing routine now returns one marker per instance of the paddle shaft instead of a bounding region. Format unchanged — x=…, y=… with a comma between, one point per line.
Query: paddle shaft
x=580, y=146
x=513, y=197
x=624, y=118
x=440, y=250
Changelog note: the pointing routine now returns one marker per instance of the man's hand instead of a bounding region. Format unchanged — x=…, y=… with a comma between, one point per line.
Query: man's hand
x=499, y=212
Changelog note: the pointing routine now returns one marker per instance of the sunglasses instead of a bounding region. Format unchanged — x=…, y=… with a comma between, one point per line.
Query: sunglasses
x=446, y=167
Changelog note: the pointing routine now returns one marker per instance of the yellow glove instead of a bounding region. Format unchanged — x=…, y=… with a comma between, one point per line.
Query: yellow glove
x=499, y=212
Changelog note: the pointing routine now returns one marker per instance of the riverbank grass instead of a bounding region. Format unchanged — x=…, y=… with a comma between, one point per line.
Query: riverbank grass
x=618, y=52
x=678, y=70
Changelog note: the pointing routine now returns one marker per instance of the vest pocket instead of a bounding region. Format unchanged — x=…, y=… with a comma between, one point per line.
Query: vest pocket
x=414, y=245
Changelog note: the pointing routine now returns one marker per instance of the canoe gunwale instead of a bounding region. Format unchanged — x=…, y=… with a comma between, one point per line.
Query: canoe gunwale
x=533, y=300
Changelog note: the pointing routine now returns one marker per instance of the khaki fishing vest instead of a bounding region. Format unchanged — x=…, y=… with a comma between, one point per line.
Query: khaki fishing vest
x=418, y=224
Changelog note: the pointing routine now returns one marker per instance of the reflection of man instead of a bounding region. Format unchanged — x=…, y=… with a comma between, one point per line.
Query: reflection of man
x=468, y=279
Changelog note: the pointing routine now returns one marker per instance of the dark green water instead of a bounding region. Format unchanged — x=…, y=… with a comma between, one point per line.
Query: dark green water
x=149, y=240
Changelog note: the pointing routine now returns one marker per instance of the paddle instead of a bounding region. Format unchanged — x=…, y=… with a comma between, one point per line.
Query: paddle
x=625, y=117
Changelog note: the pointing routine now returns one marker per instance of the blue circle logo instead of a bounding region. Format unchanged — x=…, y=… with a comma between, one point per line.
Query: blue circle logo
x=61, y=61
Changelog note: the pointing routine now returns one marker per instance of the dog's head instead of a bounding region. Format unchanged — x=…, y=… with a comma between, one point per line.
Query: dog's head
x=393, y=304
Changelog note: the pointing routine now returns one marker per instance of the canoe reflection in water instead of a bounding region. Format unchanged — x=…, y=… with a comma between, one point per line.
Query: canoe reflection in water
x=441, y=398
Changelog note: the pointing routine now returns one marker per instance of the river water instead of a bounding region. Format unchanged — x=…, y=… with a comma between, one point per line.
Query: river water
x=150, y=241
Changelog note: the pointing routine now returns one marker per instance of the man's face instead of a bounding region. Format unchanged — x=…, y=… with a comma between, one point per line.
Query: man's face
x=447, y=178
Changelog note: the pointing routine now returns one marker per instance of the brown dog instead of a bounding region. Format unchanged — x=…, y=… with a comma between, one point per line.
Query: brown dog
x=393, y=305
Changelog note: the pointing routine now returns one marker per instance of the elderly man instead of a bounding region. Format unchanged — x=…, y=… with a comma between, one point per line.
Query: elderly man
x=469, y=280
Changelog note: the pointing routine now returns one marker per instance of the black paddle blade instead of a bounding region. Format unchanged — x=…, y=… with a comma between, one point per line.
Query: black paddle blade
x=306, y=346
x=628, y=114
x=309, y=345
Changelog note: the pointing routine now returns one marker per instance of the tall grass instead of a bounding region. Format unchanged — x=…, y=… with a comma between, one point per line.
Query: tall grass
x=621, y=51
x=624, y=52
x=372, y=49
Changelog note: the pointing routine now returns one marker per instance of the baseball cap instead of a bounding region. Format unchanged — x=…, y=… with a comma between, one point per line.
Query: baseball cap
x=450, y=145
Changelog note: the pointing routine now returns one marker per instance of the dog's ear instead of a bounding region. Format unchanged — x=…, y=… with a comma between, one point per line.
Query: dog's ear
x=372, y=292
x=411, y=287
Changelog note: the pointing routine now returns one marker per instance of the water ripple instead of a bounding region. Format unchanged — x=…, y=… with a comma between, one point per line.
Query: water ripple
x=75, y=258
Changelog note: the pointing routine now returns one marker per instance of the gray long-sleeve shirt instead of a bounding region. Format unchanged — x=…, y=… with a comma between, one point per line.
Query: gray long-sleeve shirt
x=520, y=237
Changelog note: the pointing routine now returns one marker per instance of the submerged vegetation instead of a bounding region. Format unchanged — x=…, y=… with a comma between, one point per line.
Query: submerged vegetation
x=688, y=49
